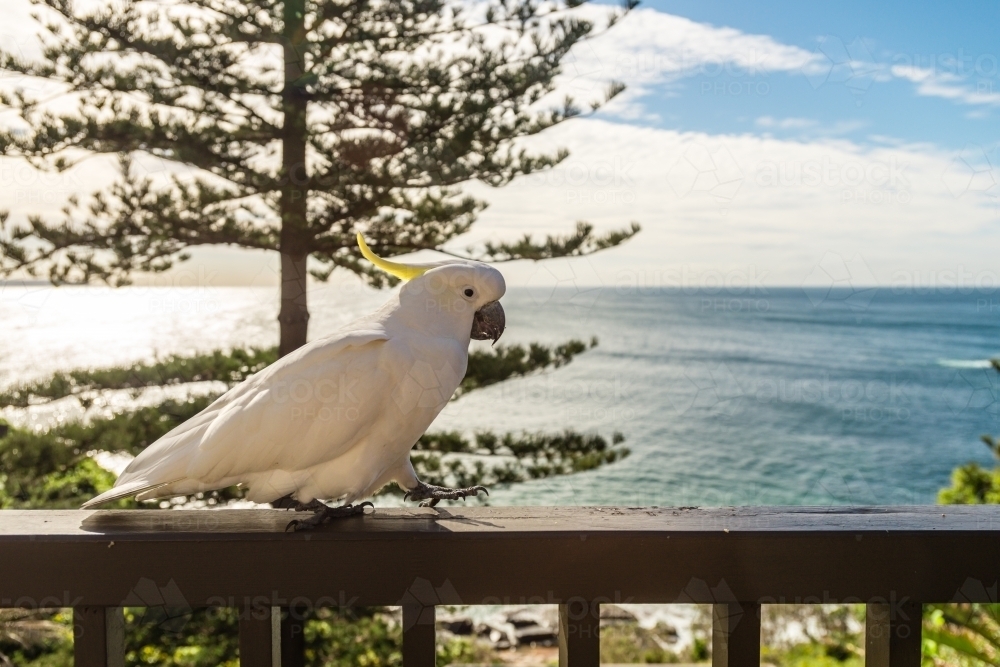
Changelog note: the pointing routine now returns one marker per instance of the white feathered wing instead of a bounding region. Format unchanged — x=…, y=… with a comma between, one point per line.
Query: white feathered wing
x=272, y=431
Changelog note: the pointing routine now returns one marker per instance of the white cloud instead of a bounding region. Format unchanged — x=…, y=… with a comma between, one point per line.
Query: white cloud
x=850, y=64
x=649, y=47
x=785, y=123
x=809, y=127
x=722, y=203
x=750, y=204
x=934, y=83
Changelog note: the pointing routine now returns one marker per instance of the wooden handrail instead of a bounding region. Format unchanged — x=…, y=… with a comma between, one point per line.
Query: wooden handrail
x=891, y=558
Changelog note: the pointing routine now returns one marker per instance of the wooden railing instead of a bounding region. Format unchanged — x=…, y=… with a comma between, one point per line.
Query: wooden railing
x=737, y=559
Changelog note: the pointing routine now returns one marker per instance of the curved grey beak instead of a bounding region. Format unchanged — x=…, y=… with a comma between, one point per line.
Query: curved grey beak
x=489, y=322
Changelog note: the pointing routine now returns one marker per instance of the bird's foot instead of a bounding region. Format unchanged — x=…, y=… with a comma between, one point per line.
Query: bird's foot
x=326, y=514
x=435, y=494
x=289, y=503
x=313, y=505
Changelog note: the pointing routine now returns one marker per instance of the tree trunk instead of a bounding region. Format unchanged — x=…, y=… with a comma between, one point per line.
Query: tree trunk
x=294, y=313
x=293, y=317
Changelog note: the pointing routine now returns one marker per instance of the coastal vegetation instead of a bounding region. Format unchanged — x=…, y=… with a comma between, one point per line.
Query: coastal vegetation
x=55, y=467
x=58, y=467
x=963, y=633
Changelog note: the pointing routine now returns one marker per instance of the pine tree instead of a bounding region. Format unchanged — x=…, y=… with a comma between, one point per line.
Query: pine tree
x=305, y=122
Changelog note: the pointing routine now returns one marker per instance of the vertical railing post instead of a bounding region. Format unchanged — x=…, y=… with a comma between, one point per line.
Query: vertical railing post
x=893, y=634
x=98, y=637
x=293, y=637
x=260, y=637
x=419, y=636
x=579, y=634
x=735, y=634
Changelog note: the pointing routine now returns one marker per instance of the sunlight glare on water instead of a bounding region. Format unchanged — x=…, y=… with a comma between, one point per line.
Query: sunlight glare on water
x=790, y=401
x=49, y=329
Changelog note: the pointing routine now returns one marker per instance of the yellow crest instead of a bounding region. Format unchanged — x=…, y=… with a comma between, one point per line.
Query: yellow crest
x=401, y=271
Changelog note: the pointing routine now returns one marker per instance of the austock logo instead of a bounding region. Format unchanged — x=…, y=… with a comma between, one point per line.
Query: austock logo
x=838, y=280
x=718, y=390
x=975, y=169
x=836, y=62
x=24, y=301
x=846, y=486
x=974, y=590
x=164, y=606
x=974, y=389
x=566, y=282
x=713, y=171
x=423, y=596
x=424, y=387
x=26, y=49
x=728, y=616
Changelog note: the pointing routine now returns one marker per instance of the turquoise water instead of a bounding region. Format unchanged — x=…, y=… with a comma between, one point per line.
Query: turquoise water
x=777, y=397
x=781, y=398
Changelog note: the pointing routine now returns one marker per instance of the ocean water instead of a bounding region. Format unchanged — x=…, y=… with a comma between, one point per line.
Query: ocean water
x=782, y=396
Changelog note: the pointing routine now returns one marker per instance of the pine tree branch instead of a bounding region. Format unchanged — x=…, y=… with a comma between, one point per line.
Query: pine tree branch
x=133, y=227
x=582, y=242
x=503, y=362
x=408, y=102
x=486, y=367
x=230, y=367
x=450, y=459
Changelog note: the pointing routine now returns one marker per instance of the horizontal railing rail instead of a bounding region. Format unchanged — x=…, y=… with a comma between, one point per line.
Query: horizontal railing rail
x=891, y=558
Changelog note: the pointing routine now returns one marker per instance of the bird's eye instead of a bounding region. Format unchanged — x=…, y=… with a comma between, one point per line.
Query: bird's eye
x=469, y=292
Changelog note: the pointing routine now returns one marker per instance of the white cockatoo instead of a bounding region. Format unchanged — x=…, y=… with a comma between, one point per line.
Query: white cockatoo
x=336, y=419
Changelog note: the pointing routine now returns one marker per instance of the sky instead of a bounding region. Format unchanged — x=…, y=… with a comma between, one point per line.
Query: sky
x=759, y=144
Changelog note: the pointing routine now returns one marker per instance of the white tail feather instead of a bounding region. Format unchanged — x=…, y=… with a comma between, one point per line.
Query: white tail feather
x=123, y=491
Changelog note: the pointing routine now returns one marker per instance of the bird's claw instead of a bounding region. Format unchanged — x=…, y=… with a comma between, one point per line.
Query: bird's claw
x=326, y=514
x=312, y=506
x=435, y=494
x=289, y=503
